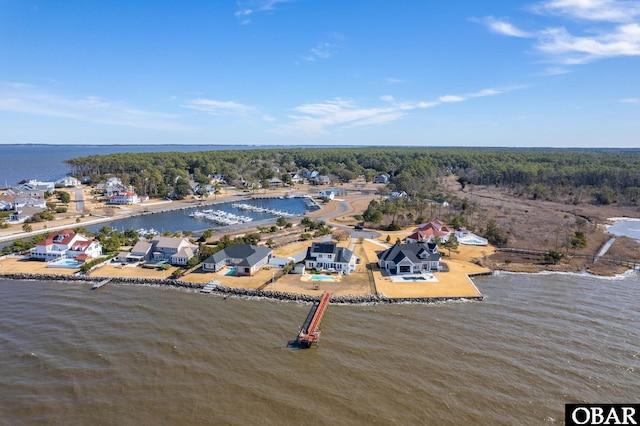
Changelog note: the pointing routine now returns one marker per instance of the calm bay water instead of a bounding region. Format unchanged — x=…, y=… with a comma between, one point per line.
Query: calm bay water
x=153, y=355
x=46, y=162
x=179, y=220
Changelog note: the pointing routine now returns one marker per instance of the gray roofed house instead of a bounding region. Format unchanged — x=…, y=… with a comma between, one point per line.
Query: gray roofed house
x=172, y=249
x=246, y=258
x=140, y=252
x=329, y=256
x=410, y=258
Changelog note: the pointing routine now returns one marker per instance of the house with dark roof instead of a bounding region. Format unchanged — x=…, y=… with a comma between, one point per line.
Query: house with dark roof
x=410, y=258
x=245, y=258
x=328, y=256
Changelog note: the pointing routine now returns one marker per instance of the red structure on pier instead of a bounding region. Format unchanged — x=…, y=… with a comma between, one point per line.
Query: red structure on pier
x=310, y=332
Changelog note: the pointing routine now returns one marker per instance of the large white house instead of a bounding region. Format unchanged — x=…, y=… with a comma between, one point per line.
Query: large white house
x=328, y=256
x=66, y=245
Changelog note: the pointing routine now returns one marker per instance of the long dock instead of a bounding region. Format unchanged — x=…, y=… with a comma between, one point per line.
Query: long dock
x=310, y=332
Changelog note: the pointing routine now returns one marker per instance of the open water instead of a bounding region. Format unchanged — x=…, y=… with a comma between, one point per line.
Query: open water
x=158, y=355
x=46, y=162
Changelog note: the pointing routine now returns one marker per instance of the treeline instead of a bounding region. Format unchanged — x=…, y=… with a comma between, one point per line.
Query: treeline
x=600, y=175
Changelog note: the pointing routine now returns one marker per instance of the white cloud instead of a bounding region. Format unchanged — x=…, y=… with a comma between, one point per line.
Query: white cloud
x=248, y=8
x=591, y=10
x=450, y=98
x=630, y=100
x=569, y=49
x=503, y=27
x=325, y=49
x=392, y=80
x=321, y=118
x=29, y=99
x=214, y=107
x=617, y=33
x=555, y=71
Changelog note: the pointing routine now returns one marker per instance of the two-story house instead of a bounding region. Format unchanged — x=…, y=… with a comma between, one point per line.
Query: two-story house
x=410, y=258
x=328, y=256
x=66, y=245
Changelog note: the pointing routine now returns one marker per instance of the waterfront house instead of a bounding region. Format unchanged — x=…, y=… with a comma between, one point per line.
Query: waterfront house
x=245, y=258
x=176, y=251
x=429, y=232
x=141, y=252
x=410, y=258
x=328, y=256
x=66, y=244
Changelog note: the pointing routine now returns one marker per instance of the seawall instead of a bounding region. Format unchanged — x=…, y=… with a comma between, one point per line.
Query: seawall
x=240, y=292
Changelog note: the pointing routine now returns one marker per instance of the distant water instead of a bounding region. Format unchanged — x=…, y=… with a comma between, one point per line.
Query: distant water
x=152, y=355
x=180, y=220
x=46, y=162
x=629, y=228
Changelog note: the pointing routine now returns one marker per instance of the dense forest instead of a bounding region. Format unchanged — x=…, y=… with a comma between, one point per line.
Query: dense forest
x=602, y=176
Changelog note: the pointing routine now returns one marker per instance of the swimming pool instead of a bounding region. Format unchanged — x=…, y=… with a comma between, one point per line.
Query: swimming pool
x=64, y=263
x=322, y=278
x=230, y=271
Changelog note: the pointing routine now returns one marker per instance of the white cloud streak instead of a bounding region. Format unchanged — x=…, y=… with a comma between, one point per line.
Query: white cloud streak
x=617, y=33
x=503, y=27
x=321, y=118
x=29, y=99
x=249, y=8
x=214, y=107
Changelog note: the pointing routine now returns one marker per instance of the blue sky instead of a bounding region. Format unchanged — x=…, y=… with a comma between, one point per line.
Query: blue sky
x=556, y=73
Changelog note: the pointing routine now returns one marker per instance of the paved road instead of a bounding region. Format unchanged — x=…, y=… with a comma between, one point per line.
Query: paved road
x=79, y=200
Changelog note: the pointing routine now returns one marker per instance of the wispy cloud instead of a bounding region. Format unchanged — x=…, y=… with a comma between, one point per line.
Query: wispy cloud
x=325, y=49
x=250, y=8
x=214, y=107
x=630, y=100
x=30, y=99
x=504, y=27
x=621, y=11
x=321, y=118
x=617, y=33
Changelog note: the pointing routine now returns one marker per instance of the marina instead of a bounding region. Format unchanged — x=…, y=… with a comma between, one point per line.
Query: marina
x=250, y=207
x=220, y=217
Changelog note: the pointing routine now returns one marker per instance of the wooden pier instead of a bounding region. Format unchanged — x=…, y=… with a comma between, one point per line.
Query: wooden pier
x=310, y=331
